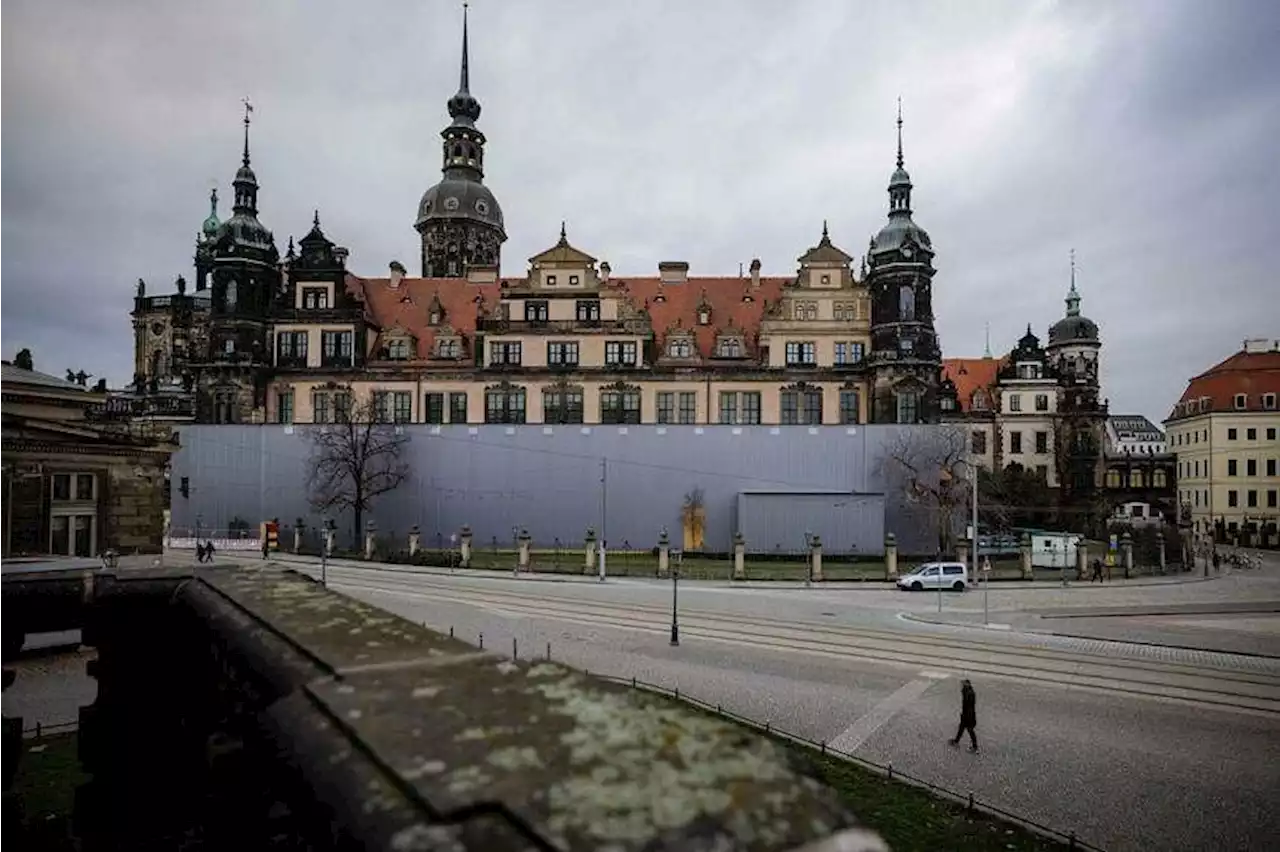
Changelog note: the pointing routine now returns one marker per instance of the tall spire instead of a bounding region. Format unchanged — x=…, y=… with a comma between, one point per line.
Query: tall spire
x=248, y=108
x=986, y=353
x=900, y=132
x=463, y=108
x=1073, y=296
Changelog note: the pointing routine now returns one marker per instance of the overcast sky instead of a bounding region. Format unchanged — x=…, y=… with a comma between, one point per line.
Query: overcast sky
x=711, y=132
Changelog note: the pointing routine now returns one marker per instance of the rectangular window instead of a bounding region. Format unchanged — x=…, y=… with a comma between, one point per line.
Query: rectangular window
x=342, y=407
x=801, y=353
x=848, y=353
x=802, y=407
x=403, y=401
x=1015, y=402
x=458, y=407
x=978, y=443
x=1233, y=499
x=562, y=354
x=284, y=406
x=551, y=280
x=291, y=348
x=850, y=406
x=688, y=407
x=666, y=407
x=620, y=406
x=504, y=353
x=504, y=406
x=433, y=403
x=619, y=353
x=1251, y=467
x=1042, y=402
x=728, y=407
x=1231, y=467
x=336, y=347
x=1271, y=499
x=750, y=408
x=399, y=349
x=382, y=406
x=1042, y=442
x=1252, y=501
x=1231, y=434
x=535, y=311
x=320, y=408
x=588, y=311
x=315, y=298
x=1251, y=434
x=1271, y=434
x=448, y=347
x=562, y=405
x=573, y=281
x=908, y=407
x=1269, y=401
x=1015, y=443
x=1271, y=467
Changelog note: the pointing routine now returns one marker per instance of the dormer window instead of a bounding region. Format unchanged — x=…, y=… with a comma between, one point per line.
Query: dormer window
x=826, y=281
x=729, y=347
x=229, y=346
x=1028, y=371
x=551, y=280
x=573, y=281
x=680, y=347
x=1241, y=401
x=1269, y=401
x=433, y=318
x=448, y=348
x=315, y=298
x=398, y=349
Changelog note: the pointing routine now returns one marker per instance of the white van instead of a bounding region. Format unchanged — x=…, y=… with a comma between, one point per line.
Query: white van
x=934, y=575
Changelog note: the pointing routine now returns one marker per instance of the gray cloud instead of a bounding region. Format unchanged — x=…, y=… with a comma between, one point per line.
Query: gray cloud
x=714, y=132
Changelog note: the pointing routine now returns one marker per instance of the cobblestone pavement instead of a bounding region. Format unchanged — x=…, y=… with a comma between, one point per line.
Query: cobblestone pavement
x=51, y=684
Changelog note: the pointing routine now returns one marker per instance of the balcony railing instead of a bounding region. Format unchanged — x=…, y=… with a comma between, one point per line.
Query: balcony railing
x=128, y=408
x=291, y=360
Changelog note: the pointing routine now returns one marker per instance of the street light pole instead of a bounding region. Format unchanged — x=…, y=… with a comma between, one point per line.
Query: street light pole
x=675, y=592
x=324, y=552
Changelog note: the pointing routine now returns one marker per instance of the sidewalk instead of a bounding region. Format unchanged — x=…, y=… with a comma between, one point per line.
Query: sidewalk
x=560, y=577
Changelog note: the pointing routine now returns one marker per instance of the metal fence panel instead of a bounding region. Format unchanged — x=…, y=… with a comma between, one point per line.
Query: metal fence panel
x=780, y=521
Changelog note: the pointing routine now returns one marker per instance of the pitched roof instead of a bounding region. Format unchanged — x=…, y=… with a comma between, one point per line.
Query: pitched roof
x=678, y=309
x=14, y=373
x=1252, y=373
x=408, y=306
x=970, y=374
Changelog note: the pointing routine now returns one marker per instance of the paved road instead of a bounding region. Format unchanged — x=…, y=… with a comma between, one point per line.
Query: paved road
x=1130, y=747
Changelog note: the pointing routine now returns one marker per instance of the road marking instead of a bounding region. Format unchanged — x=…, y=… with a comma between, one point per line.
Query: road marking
x=856, y=734
x=936, y=675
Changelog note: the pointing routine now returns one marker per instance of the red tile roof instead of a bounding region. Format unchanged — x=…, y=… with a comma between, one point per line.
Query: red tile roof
x=670, y=306
x=1251, y=373
x=971, y=374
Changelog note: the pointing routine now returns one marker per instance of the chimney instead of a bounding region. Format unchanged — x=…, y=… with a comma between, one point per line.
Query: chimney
x=673, y=271
x=605, y=269
x=340, y=253
x=397, y=274
x=755, y=272
x=1256, y=345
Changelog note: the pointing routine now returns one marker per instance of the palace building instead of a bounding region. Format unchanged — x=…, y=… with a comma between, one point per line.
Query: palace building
x=300, y=338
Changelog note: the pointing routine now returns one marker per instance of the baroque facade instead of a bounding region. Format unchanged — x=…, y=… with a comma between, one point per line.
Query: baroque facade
x=1039, y=408
x=300, y=338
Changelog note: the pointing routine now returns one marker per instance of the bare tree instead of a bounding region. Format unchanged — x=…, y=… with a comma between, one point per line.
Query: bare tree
x=353, y=461
x=932, y=465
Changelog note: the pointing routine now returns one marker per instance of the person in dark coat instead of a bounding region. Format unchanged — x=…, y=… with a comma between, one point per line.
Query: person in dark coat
x=199, y=551
x=1097, y=571
x=208, y=551
x=968, y=715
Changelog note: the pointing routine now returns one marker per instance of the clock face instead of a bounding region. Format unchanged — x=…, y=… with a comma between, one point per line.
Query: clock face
x=906, y=251
x=451, y=204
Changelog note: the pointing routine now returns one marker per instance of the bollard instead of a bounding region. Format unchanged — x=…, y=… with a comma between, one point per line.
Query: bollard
x=767, y=727
x=450, y=630
x=824, y=746
x=890, y=770
x=970, y=800
x=481, y=641
x=548, y=652
x=515, y=651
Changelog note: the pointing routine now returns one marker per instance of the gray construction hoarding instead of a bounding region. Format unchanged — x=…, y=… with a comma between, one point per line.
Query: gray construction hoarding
x=626, y=482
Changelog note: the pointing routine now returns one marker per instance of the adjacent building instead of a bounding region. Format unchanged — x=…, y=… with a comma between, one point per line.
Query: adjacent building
x=299, y=338
x=1141, y=473
x=1223, y=431
x=75, y=483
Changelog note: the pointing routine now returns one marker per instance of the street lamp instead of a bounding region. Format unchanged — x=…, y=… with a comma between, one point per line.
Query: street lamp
x=808, y=561
x=973, y=477
x=675, y=594
x=325, y=527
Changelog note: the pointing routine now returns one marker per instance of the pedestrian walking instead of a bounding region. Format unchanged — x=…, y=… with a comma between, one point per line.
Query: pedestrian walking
x=1097, y=570
x=199, y=551
x=208, y=551
x=968, y=715
x=266, y=546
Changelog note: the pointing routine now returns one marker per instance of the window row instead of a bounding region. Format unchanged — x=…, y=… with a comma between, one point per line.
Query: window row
x=1250, y=467
x=617, y=353
x=1251, y=499
x=1041, y=402
x=337, y=348
x=798, y=407
x=1015, y=443
x=1137, y=479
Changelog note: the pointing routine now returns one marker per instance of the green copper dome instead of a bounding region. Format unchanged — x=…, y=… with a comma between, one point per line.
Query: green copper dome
x=210, y=226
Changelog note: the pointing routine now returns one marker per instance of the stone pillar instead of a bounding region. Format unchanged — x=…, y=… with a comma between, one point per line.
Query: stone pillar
x=890, y=557
x=330, y=539
x=664, y=554
x=1126, y=554
x=589, y=565
x=1024, y=552
x=1082, y=560
x=739, y=557
x=370, y=530
x=524, y=543
x=464, y=546
x=962, y=552
x=297, y=535
x=415, y=535
x=815, y=556
x=1161, y=554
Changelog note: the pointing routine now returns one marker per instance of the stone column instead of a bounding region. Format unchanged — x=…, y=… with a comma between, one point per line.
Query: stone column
x=815, y=556
x=890, y=557
x=1082, y=560
x=370, y=530
x=1126, y=554
x=589, y=565
x=1024, y=553
x=1161, y=554
x=524, y=542
x=330, y=540
x=415, y=535
x=664, y=554
x=739, y=557
x=297, y=535
x=464, y=546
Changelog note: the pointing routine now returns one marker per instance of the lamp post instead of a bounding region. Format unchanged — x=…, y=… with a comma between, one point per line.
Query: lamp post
x=675, y=594
x=973, y=540
x=325, y=527
x=199, y=518
x=808, y=559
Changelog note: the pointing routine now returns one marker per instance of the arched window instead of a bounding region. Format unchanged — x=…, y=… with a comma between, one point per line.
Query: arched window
x=457, y=150
x=906, y=303
x=680, y=348
x=1113, y=478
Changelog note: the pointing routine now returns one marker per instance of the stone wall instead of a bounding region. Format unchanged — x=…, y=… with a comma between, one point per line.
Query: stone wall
x=134, y=509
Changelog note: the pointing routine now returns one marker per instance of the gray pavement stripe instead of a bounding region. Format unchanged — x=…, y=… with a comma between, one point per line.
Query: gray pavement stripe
x=850, y=738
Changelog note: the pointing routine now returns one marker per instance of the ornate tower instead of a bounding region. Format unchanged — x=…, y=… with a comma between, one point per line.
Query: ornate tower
x=459, y=220
x=905, y=360
x=1073, y=349
x=244, y=278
